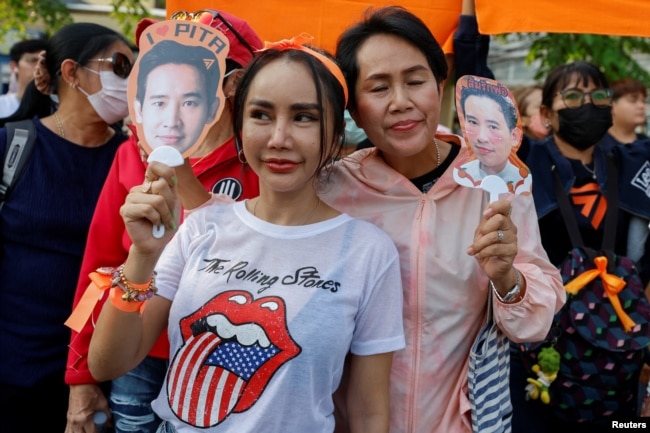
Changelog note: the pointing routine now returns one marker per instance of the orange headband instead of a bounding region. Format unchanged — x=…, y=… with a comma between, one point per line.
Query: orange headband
x=297, y=43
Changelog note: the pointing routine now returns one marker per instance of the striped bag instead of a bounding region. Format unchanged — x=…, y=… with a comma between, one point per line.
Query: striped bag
x=488, y=376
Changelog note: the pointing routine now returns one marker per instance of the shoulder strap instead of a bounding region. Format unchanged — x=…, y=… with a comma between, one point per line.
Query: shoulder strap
x=611, y=215
x=567, y=212
x=21, y=136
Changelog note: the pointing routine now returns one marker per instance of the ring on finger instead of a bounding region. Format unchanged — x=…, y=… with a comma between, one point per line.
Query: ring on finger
x=500, y=235
x=146, y=186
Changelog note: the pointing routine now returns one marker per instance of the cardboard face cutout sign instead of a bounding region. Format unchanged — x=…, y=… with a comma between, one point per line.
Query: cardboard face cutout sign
x=175, y=89
x=492, y=130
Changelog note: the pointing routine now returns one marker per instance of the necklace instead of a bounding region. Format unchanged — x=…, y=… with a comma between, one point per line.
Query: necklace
x=59, y=124
x=437, y=152
x=593, y=172
x=307, y=218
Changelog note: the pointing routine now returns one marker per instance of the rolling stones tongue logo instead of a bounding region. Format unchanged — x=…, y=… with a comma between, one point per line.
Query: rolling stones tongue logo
x=233, y=346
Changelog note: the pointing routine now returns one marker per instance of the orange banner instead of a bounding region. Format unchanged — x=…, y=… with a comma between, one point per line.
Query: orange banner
x=605, y=17
x=323, y=19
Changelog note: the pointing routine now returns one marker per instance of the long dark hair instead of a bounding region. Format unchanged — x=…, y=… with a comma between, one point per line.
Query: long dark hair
x=328, y=89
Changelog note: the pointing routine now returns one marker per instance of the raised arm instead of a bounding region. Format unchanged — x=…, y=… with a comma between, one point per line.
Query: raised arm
x=125, y=333
x=470, y=47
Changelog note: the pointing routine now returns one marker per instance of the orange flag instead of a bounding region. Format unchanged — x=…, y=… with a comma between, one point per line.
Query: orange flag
x=605, y=17
x=325, y=20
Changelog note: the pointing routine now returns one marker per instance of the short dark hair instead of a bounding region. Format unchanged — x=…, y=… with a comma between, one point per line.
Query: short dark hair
x=27, y=46
x=507, y=108
x=561, y=75
x=628, y=86
x=171, y=52
x=328, y=88
x=390, y=20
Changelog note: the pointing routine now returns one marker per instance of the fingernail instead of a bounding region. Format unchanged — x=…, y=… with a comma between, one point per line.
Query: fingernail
x=172, y=225
x=174, y=180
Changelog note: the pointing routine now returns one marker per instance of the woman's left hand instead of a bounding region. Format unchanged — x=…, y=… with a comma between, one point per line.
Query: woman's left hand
x=495, y=243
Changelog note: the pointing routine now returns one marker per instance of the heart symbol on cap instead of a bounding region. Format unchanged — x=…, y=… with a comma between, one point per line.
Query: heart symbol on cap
x=162, y=30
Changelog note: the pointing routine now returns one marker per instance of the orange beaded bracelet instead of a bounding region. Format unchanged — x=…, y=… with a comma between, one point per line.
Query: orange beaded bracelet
x=131, y=297
x=116, y=298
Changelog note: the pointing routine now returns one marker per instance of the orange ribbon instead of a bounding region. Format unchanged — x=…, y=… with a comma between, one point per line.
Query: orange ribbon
x=99, y=282
x=612, y=284
x=298, y=43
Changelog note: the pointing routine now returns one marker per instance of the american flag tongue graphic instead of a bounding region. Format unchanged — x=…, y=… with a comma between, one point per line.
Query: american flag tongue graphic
x=208, y=375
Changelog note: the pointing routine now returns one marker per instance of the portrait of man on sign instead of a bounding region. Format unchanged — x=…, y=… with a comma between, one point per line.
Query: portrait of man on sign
x=492, y=129
x=175, y=89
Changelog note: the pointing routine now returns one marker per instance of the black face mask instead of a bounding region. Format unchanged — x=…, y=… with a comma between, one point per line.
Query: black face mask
x=582, y=127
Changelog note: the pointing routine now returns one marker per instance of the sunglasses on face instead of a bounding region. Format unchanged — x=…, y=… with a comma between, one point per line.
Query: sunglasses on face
x=207, y=17
x=574, y=98
x=121, y=64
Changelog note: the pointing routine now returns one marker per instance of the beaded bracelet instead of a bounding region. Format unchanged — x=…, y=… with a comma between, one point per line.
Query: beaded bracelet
x=131, y=296
x=134, y=292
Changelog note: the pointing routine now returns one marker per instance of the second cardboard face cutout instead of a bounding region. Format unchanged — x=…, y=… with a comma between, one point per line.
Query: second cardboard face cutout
x=492, y=130
x=175, y=90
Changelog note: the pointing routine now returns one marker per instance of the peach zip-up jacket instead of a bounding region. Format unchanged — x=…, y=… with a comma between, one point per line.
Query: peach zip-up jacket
x=445, y=290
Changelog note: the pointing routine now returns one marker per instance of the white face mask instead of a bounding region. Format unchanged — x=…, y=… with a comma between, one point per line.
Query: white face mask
x=110, y=102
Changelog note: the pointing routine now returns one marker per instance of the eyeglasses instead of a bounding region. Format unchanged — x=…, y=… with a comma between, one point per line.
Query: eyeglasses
x=121, y=64
x=207, y=17
x=574, y=98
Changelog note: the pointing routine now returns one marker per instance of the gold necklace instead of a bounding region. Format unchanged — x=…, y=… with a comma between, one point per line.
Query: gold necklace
x=437, y=152
x=309, y=216
x=59, y=124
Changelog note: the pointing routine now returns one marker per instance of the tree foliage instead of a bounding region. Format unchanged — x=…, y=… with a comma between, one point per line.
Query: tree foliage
x=128, y=13
x=19, y=15
x=51, y=15
x=613, y=54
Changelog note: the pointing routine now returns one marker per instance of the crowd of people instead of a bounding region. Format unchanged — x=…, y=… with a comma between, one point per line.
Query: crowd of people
x=299, y=285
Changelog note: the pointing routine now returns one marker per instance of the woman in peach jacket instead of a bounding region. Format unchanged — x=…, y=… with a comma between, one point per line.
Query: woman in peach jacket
x=456, y=249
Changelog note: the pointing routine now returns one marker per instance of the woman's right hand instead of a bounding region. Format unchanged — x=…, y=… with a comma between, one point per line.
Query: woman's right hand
x=85, y=400
x=154, y=202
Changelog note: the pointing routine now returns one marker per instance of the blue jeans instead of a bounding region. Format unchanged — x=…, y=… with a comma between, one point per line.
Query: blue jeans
x=132, y=394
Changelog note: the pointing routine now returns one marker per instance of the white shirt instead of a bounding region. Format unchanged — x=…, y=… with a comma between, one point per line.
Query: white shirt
x=263, y=316
x=9, y=103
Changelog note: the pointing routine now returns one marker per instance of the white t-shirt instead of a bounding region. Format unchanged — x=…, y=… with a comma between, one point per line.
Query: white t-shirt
x=9, y=103
x=264, y=315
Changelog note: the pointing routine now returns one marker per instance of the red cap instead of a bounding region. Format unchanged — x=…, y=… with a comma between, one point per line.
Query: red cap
x=238, y=51
x=141, y=27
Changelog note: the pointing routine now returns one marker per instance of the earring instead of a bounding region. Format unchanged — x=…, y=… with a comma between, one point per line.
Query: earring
x=241, y=157
x=240, y=150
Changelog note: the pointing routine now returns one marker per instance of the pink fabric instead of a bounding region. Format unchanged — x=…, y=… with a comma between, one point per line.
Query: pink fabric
x=445, y=290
